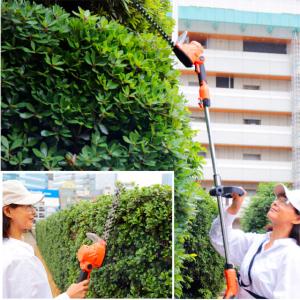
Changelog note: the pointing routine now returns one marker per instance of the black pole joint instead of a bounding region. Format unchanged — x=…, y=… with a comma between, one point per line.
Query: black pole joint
x=206, y=102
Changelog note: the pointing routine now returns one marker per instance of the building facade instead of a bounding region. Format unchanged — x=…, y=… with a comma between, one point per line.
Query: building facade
x=252, y=52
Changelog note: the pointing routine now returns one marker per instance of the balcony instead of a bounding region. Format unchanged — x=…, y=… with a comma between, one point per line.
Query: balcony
x=245, y=100
x=245, y=170
x=239, y=62
x=245, y=135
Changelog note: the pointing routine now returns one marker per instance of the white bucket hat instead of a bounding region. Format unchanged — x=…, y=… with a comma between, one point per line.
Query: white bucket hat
x=14, y=192
x=292, y=196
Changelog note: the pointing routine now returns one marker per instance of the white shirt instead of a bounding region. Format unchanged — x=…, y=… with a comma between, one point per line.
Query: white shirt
x=275, y=272
x=24, y=275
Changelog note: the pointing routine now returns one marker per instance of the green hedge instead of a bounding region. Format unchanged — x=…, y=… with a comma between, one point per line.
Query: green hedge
x=84, y=93
x=205, y=268
x=138, y=263
x=254, y=218
x=124, y=12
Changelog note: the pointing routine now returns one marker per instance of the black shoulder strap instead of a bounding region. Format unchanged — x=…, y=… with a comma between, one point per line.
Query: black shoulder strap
x=254, y=295
x=250, y=267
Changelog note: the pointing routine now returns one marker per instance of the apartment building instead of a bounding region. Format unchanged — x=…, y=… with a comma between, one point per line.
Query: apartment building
x=252, y=52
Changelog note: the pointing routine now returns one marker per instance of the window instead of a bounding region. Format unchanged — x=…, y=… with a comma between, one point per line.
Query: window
x=252, y=121
x=251, y=87
x=193, y=83
x=203, y=42
x=197, y=119
x=247, y=156
x=224, y=82
x=250, y=46
x=41, y=215
x=251, y=193
x=202, y=153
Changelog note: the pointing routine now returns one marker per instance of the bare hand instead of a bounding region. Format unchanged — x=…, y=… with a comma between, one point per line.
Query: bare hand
x=78, y=290
x=237, y=202
x=193, y=50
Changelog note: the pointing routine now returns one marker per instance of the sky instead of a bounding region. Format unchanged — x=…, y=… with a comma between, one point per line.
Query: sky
x=141, y=178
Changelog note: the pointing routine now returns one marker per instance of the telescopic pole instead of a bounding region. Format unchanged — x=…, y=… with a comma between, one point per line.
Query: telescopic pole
x=219, y=191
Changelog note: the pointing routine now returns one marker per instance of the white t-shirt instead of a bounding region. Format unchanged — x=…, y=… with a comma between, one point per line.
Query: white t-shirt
x=24, y=275
x=275, y=272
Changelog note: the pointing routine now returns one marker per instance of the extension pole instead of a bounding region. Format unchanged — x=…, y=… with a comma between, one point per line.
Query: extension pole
x=204, y=103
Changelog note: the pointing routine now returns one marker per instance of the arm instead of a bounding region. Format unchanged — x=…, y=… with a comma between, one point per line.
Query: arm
x=27, y=278
x=239, y=241
x=23, y=278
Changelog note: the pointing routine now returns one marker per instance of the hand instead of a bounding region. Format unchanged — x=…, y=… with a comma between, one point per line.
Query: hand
x=193, y=50
x=78, y=290
x=237, y=202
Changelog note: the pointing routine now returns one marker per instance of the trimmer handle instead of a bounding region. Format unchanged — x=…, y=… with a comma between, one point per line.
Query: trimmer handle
x=83, y=276
x=232, y=286
x=226, y=191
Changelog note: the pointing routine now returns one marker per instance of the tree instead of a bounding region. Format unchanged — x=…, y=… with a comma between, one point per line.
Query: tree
x=254, y=218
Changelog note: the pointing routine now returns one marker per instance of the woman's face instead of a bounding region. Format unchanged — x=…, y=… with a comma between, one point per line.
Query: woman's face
x=22, y=216
x=282, y=212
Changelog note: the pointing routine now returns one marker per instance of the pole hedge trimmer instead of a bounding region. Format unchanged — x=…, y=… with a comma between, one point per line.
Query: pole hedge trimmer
x=92, y=256
x=190, y=54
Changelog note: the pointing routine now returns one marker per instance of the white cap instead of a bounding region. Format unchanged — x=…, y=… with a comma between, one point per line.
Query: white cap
x=292, y=196
x=14, y=192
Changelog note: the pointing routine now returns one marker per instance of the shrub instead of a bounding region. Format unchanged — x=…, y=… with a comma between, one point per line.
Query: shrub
x=84, y=93
x=204, y=269
x=139, y=250
x=124, y=12
x=254, y=218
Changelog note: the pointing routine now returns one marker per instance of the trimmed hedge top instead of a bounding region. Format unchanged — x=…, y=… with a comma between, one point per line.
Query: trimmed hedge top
x=138, y=262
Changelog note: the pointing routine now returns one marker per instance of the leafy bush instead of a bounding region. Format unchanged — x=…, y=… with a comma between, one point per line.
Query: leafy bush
x=124, y=12
x=205, y=268
x=84, y=93
x=255, y=215
x=139, y=251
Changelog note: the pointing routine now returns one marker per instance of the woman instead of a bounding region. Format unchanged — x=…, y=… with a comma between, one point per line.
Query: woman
x=269, y=263
x=23, y=273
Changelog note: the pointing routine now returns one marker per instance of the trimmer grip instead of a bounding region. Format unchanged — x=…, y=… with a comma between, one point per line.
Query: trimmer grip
x=231, y=282
x=226, y=191
x=83, y=276
x=202, y=70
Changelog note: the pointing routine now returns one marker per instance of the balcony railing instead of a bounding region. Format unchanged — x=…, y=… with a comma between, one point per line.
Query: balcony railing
x=239, y=62
x=245, y=170
x=238, y=99
x=245, y=135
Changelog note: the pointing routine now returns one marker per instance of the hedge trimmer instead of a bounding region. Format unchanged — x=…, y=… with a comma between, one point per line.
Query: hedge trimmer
x=92, y=256
x=190, y=54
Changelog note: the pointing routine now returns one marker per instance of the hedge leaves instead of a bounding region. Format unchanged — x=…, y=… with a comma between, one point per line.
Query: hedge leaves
x=81, y=92
x=138, y=263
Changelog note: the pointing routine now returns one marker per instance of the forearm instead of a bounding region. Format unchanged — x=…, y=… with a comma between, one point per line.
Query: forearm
x=234, y=208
